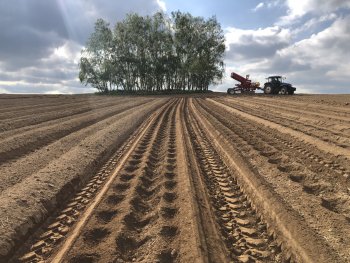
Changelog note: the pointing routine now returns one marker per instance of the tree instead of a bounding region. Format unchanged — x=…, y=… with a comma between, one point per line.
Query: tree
x=95, y=64
x=154, y=53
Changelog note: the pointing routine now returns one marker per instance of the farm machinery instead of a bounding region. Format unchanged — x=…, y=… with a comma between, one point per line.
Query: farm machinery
x=274, y=85
x=245, y=85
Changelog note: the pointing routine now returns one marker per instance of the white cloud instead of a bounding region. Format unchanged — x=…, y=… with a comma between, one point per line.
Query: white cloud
x=68, y=52
x=313, y=22
x=60, y=90
x=274, y=3
x=162, y=5
x=340, y=73
x=328, y=47
x=267, y=4
x=2, y=90
x=297, y=9
x=258, y=6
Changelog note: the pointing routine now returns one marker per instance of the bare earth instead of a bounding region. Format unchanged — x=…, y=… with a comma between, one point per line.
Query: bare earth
x=175, y=179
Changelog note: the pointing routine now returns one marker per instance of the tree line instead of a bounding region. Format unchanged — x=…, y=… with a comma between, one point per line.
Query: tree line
x=154, y=53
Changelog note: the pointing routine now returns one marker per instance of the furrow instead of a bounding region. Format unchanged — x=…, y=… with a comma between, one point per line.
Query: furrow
x=23, y=105
x=242, y=230
x=341, y=139
x=303, y=102
x=59, y=113
x=294, y=111
x=322, y=145
x=148, y=224
x=296, y=170
x=305, y=164
x=22, y=144
x=48, y=240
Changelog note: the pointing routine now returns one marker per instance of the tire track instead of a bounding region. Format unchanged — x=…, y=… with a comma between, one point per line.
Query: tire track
x=253, y=193
x=83, y=202
x=305, y=169
x=50, y=188
x=152, y=213
x=242, y=230
x=274, y=148
x=139, y=195
x=309, y=167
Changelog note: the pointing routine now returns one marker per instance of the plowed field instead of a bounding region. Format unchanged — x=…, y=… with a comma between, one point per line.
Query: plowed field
x=175, y=179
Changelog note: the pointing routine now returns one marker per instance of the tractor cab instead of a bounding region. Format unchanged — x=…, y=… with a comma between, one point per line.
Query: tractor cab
x=275, y=79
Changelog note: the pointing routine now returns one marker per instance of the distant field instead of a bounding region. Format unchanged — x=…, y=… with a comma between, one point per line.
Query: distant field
x=196, y=178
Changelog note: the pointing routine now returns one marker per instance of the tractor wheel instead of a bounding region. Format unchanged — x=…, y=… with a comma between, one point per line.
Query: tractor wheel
x=284, y=91
x=232, y=92
x=268, y=90
x=291, y=92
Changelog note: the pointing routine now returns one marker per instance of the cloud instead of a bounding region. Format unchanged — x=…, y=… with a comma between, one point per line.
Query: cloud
x=297, y=9
x=162, y=5
x=2, y=90
x=41, y=40
x=274, y=3
x=255, y=44
x=258, y=6
x=328, y=47
x=267, y=4
x=318, y=63
x=314, y=22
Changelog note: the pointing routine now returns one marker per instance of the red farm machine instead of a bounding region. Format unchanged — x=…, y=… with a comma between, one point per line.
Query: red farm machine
x=245, y=85
x=274, y=85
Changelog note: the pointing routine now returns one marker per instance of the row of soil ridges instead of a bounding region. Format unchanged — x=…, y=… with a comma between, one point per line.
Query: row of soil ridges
x=242, y=230
x=187, y=179
x=142, y=216
x=43, y=162
x=313, y=124
x=314, y=182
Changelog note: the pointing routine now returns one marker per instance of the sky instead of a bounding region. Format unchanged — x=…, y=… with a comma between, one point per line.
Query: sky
x=307, y=41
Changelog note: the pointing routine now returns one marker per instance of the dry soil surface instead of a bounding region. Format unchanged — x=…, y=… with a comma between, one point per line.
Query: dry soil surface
x=175, y=179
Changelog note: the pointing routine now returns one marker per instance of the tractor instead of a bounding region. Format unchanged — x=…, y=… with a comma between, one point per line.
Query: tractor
x=275, y=85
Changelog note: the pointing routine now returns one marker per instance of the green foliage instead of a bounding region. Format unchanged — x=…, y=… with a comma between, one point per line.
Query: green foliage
x=154, y=53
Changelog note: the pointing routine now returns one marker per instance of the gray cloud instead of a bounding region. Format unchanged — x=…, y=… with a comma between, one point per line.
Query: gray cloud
x=248, y=45
x=249, y=49
x=29, y=31
x=44, y=16
x=25, y=46
x=282, y=65
x=40, y=41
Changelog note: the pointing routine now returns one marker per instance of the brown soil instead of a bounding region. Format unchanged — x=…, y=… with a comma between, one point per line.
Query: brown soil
x=186, y=179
